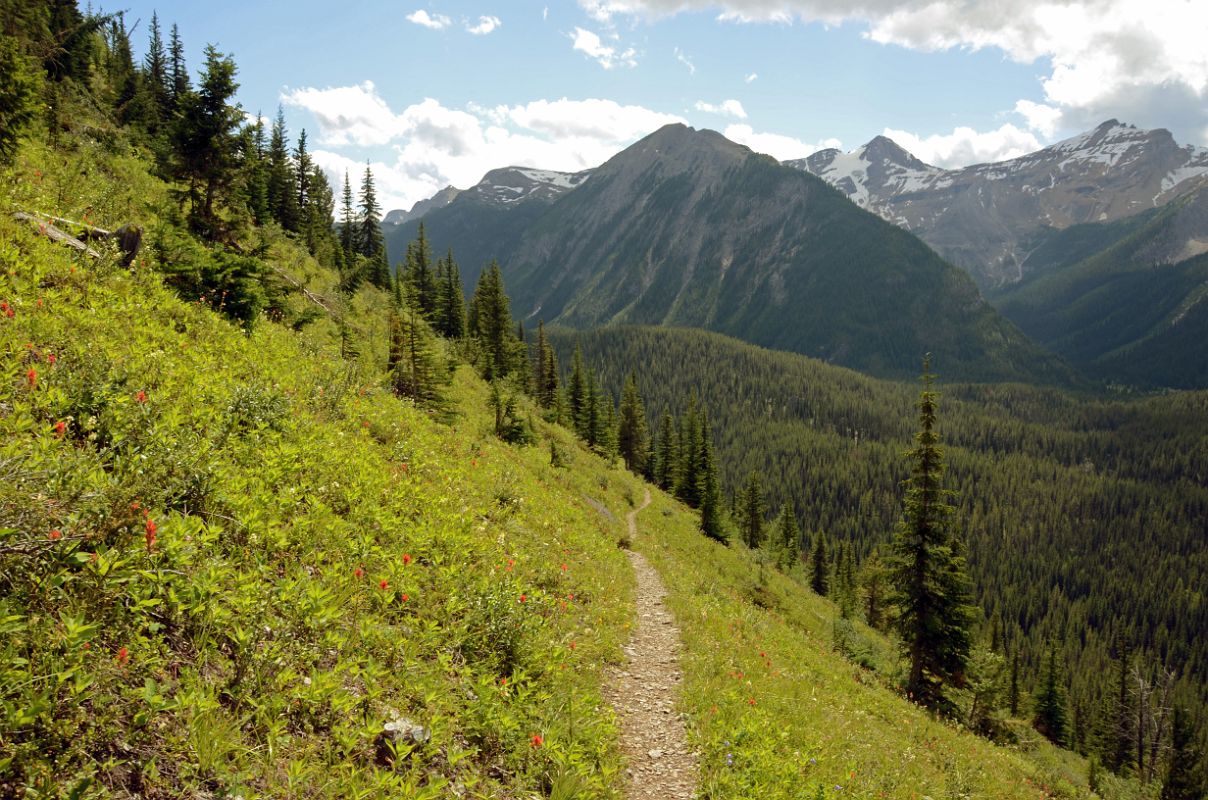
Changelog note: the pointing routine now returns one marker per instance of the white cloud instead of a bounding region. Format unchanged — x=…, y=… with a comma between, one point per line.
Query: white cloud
x=776, y=145
x=434, y=21
x=728, y=108
x=1041, y=118
x=965, y=146
x=752, y=77
x=683, y=59
x=347, y=114
x=608, y=57
x=435, y=146
x=484, y=26
x=1140, y=60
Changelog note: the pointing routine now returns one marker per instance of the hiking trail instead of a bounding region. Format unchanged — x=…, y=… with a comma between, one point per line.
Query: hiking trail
x=643, y=690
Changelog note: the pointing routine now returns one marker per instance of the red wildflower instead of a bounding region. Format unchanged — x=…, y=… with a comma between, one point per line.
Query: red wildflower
x=523, y=598
x=405, y=598
x=751, y=700
x=406, y=559
x=123, y=655
x=31, y=378
x=151, y=530
x=134, y=506
x=572, y=645
x=537, y=741
x=9, y=312
x=60, y=428
x=51, y=358
x=382, y=584
x=358, y=573
x=564, y=568
x=141, y=396
x=55, y=535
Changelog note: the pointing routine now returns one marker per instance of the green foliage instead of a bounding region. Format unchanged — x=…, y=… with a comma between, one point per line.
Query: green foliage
x=1050, y=713
x=18, y=90
x=927, y=568
x=751, y=510
x=633, y=440
x=234, y=285
x=509, y=425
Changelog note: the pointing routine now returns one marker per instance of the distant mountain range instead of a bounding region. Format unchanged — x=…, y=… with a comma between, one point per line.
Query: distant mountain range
x=1091, y=246
x=991, y=218
x=686, y=228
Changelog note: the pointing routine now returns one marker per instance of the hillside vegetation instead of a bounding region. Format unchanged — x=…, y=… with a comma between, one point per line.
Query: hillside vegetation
x=233, y=563
x=1052, y=489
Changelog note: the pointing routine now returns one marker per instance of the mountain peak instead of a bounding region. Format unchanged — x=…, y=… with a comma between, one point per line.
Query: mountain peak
x=882, y=148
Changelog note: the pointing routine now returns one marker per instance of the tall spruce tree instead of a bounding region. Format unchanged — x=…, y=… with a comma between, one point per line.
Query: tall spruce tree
x=421, y=275
x=178, y=72
x=157, y=80
x=788, y=536
x=577, y=399
x=1184, y=778
x=751, y=509
x=1051, y=718
x=348, y=224
x=633, y=438
x=493, y=324
x=282, y=201
x=666, y=453
x=931, y=589
x=545, y=370
x=205, y=142
x=708, y=489
x=372, y=242
x=820, y=567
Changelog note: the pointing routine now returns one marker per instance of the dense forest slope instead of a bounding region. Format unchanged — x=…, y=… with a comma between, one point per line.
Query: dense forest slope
x=1052, y=487
x=1124, y=301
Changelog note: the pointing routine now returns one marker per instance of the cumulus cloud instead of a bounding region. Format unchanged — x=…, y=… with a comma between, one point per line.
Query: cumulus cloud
x=434, y=21
x=1140, y=60
x=966, y=146
x=434, y=145
x=484, y=26
x=1041, y=118
x=752, y=77
x=775, y=145
x=608, y=57
x=727, y=108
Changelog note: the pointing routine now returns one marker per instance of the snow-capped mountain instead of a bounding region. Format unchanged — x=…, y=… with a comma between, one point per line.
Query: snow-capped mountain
x=510, y=185
x=988, y=218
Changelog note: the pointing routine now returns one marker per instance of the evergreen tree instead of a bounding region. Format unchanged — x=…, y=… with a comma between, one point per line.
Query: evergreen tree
x=820, y=567
x=18, y=96
x=1013, y=691
x=302, y=166
x=666, y=453
x=205, y=141
x=874, y=578
x=282, y=201
x=633, y=439
x=178, y=73
x=931, y=590
x=348, y=224
x=577, y=395
x=452, y=302
x=412, y=364
x=420, y=273
x=751, y=509
x=320, y=210
x=157, y=80
x=493, y=324
x=1051, y=717
x=254, y=149
x=708, y=491
x=1119, y=753
x=1183, y=779
x=545, y=370
x=687, y=472
x=123, y=77
x=788, y=537
x=372, y=243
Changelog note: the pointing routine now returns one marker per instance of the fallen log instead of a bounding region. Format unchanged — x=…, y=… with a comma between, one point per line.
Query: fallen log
x=129, y=238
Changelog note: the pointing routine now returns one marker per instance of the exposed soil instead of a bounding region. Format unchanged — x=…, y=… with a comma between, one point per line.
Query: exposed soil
x=643, y=692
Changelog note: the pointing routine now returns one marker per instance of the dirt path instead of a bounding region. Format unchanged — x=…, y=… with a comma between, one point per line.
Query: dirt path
x=643, y=692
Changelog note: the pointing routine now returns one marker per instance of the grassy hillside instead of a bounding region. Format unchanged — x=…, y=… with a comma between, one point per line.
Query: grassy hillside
x=232, y=564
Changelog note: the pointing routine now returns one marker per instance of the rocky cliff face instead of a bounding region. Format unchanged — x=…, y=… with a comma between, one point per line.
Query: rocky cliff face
x=988, y=218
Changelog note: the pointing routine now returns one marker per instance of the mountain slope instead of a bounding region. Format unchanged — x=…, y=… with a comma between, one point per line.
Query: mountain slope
x=484, y=221
x=988, y=218
x=1133, y=311
x=687, y=228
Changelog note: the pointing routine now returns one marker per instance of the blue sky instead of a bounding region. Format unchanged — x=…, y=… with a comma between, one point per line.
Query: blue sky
x=432, y=93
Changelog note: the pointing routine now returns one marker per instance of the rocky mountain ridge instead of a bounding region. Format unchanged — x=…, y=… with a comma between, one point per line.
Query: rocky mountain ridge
x=988, y=218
